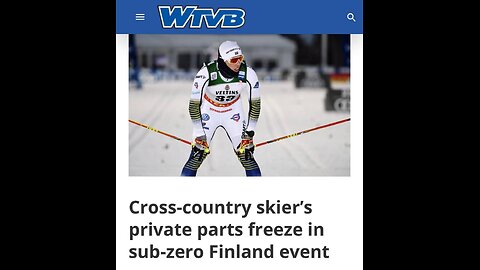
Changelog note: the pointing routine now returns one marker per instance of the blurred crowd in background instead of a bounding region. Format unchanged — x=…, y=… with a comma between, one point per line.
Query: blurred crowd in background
x=309, y=61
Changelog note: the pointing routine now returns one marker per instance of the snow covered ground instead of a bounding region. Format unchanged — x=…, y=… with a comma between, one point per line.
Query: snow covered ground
x=285, y=110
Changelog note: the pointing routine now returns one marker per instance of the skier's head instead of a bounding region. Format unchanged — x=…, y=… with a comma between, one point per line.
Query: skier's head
x=231, y=54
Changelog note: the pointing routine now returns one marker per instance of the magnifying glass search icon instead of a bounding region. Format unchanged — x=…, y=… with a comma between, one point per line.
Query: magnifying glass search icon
x=351, y=17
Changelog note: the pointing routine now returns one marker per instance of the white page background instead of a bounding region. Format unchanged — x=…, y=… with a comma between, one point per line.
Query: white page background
x=337, y=202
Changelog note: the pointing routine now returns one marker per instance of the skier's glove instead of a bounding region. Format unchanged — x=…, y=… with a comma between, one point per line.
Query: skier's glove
x=246, y=145
x=200, y=142
x=200, y=147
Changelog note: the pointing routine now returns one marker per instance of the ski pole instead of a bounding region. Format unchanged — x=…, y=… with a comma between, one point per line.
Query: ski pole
x=256, y=145
x=158, y=131
x=302, y=132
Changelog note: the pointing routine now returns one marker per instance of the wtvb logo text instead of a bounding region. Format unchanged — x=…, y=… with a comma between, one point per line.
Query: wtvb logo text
x=179, y=17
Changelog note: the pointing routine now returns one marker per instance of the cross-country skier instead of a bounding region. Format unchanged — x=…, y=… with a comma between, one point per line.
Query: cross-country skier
x=215, y=102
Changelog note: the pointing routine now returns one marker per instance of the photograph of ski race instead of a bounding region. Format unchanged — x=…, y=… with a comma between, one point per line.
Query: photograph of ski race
x=303, y=128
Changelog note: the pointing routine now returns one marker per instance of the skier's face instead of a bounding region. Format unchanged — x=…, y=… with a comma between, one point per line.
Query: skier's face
x=234, y=63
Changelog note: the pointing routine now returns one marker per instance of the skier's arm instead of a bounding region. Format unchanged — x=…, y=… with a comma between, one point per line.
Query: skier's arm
x=253, y=99
x=198, y=86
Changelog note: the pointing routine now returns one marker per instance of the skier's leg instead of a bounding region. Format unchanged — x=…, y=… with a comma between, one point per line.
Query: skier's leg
x=234, y=130
x=249, y=163
x=199, y=152
x=197, y=156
